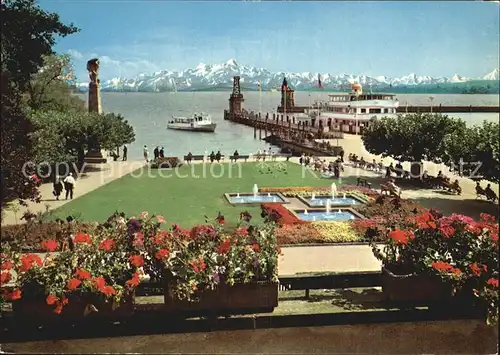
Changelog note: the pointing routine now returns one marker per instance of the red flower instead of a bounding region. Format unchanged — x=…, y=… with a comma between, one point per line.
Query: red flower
x=486, y=217
x=224, y=247
x=59, y=308
x=51, y=299
x=7, y=265
x=49, y=245
x=83, y=274
x=82, y=238
x=493, y=282
x=446, y=230
x=6, y=277
x=198, y=265
x=220, y=219
x=476, y=270
x=241, y=232
x=138, y=240
x=256, y=247
x=442, y=266
x=134, y=281
x=400, y=236
x=29, y=260
x=162, y=254
x=108, y=290
x=137, y=260
x=73, y=284
x=107, y=245
x=16, y=294
x=99, y=282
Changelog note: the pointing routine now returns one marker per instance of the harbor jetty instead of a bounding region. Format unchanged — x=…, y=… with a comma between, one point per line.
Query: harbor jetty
x=288, y=130
x=420, y=109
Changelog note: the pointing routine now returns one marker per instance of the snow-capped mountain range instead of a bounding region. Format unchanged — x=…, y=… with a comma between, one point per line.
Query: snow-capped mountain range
x=220, y=76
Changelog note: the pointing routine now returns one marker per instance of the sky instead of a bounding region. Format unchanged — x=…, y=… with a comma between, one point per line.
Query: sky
x=370, y=38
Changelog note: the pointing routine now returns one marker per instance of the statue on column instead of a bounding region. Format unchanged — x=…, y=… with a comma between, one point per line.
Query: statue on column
x=93, y=69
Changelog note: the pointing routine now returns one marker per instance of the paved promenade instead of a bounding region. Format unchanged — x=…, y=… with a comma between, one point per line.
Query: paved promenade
x=90, y=178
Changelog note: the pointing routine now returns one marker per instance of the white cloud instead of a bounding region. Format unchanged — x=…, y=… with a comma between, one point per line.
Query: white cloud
x=75, y=54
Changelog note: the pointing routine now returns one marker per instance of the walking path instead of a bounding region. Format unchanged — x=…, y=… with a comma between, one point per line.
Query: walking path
x=90, y=178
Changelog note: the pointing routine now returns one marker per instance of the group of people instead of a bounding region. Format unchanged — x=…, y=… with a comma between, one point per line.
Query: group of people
x=487, y=192
x=68, y=183
x=261, y=154
x=333, y=167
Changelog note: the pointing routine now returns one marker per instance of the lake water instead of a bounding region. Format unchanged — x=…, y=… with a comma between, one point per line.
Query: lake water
x=149, y=112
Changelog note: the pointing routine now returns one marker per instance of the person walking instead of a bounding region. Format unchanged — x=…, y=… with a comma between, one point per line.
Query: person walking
x=146, y=153
x=69, y=185
x=156, y=153
x=162, y=152
x=125, y=149
x=58, y=187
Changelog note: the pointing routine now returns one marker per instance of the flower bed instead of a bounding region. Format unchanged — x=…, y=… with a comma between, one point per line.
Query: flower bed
x=30, y=235
x=461, y=252
x=278, y=213
x=102, y=269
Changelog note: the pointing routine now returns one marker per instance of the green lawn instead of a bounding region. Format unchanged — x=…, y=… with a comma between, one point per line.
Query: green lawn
x=186, y=200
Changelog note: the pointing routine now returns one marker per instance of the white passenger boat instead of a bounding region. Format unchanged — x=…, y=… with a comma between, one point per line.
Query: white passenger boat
x=198, y=123
x=351, y=112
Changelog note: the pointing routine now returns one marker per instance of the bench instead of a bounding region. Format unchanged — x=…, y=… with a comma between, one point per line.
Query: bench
x=363, y=182
x=194, y=157
x=234, y=158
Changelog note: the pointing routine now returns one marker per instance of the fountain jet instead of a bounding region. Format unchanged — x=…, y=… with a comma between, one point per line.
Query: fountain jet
x=328, y=206
x=255, y=190
x=334, y=189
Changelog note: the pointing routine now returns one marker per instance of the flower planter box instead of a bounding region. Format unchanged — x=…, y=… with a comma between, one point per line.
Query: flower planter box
x=414, y=288
x=36, y=307
x=258, y=297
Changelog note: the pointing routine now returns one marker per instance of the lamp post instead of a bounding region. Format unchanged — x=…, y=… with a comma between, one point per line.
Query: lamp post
x=431, y=98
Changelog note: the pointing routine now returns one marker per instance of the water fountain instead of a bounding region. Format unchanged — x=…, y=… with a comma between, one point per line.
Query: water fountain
x=334, y=189
x=268, y=194
x=255, y=190
x=305, y=212
x=328, y=206
x=274, y=199
x=238, y=195
x=340, y=211
x=313, y=196
x=344, y=195
x=314, y=218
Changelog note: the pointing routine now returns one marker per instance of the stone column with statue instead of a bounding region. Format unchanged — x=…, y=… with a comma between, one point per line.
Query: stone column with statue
x=94, y=155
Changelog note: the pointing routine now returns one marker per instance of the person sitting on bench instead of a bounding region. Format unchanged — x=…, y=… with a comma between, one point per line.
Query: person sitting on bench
x=218, y=156
x=391, y=187
x=490, y=194
x=236, y=155
x=189, y=157
x=456, y=187
x=480, y=191
x=212, y=157
x=399, y=169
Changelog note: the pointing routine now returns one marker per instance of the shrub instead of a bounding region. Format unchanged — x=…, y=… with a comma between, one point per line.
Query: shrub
x=166, y=163
x=278, y=213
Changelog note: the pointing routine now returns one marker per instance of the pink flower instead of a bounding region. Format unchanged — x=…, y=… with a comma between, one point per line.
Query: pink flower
x=160, y=219
x=143, y=215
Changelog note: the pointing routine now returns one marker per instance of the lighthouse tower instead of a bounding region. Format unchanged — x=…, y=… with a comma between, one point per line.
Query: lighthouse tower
x=236, y=99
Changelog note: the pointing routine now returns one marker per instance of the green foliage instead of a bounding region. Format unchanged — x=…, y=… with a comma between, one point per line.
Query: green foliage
x=16, y=148
x=28, y=33
x=476, y=144
x=50, y=88
x=411, y=137
x=61, y=137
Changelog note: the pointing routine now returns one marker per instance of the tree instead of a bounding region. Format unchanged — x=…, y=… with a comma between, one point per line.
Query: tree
x=65, y=137
x=28, y=33
x=50, y=88
x=16, y=148
x=475, y=147
x=411, y=137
